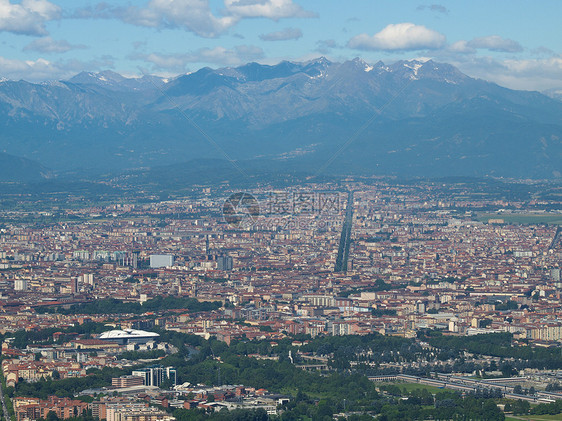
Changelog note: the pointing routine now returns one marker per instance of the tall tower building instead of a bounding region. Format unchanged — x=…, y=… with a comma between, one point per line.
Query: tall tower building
x=74, y=284
x=224, y=263
x=135, y=259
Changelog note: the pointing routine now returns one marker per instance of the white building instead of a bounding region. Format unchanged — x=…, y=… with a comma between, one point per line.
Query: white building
x=20, y=285
x=127, y=336
x=161, y=261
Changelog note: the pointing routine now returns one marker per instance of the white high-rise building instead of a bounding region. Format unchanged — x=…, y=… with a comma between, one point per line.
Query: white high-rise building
x=161, y=260
x=20, y=285
x=155, y=375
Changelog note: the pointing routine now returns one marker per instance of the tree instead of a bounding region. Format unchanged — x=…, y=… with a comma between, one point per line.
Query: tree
x=485, y=323
x=507, y=370
x=52, y=416
x=491, y=411
x=166, y=384
x=521, y=407
x=536, y=296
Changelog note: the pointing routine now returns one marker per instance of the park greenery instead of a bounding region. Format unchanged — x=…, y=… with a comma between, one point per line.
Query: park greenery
x=314, y=396
x=143, y=355
x=156, y=304
x=23, y=338
x=499, y=345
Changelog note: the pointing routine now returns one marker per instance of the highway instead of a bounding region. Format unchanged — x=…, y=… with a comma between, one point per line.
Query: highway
x=345, y=239
x=466, y=384
x=556, y=238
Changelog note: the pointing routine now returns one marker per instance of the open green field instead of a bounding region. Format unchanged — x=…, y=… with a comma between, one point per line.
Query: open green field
x=534, y=417
x=410, y=386
x=523, y=218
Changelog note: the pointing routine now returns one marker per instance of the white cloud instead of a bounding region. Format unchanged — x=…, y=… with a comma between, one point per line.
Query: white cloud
x=16, y=69
x=285, y=34
x=526, y=74
x=539, y=74
x=195, y=15
x=172, y=62
x=542, y=51
x=492, y=43
x=325, y=46
x=191, y=15
x=221, y=56
x=496, y=43
x=400, y=36
x=271, y=9
x=435, y=8
x=461, y=47
x=27, y=17
x=240, y=54
x=41, y=69
x=49, y=45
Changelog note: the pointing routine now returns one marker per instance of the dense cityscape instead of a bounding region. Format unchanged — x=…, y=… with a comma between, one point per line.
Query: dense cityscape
x=113, y=294
x=280, y=210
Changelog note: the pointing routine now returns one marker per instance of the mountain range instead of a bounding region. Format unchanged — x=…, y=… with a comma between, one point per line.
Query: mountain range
x=411, y=118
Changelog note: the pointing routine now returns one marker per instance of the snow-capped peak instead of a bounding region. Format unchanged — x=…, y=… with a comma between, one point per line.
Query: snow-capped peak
x=359, y=61
x=415, y=67
x=420, y=59
x=320, y=60
x=3, y=79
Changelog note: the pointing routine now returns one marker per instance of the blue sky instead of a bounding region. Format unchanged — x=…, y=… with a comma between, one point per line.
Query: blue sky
x=513, y=43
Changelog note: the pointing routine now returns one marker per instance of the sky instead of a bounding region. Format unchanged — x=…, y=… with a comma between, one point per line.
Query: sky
x=517, y=44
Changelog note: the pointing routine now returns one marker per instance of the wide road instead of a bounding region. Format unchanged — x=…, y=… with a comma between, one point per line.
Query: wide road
x=345, y=239
x=556, y=238
x=5, y=414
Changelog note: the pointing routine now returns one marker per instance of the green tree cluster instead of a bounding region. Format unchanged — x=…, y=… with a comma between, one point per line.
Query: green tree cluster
x=114, y=306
